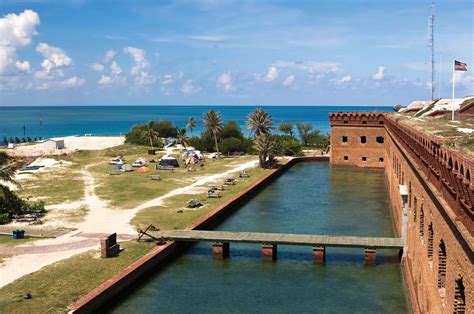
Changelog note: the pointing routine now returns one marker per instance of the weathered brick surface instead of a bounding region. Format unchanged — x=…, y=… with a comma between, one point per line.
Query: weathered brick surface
x=440, y=182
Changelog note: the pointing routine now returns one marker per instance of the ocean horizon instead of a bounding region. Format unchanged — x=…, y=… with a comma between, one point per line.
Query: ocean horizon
x=106, y=120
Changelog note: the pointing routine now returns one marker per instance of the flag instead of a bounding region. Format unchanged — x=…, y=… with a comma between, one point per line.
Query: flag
x=460, y=66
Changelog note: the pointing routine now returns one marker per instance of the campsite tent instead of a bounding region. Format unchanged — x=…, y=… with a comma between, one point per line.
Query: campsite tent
x=192, y=153
x=143, y=169
x=167, y=160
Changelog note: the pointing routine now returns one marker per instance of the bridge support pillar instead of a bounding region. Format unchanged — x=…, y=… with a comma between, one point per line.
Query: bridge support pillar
x=369, y=256
x=319, y=254
x=269, y=252
x=220, y=250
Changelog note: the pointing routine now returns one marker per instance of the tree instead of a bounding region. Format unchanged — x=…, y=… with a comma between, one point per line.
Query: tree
x=151, y=133
x=287, y=128
x=231, y=129
x=182, y=137
x=212, y=120
x=304, y=129
x=191, y=124
x=266, y=147
x=259, y=122
x=6, y=172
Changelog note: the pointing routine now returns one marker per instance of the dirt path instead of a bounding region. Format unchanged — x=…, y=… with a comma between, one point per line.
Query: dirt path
x=100, y=220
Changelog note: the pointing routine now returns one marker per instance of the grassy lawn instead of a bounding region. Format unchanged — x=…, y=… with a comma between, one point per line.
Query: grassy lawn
x=167, y=217
x=7, y=240
x=133, y=188
x=56, y=286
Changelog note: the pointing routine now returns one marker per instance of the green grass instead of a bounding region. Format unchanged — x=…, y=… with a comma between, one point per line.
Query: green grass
x=7, y=240
x=56, y=286
x=133, y=188
x=167, y=217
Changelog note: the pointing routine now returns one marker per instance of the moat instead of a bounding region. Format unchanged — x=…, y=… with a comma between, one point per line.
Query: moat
x=310, y=198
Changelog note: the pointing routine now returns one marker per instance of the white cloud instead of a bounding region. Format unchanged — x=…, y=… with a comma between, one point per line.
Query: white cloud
x=97, y=67
x=225, y=81
x=208, y=38
x=380, y=74
x=115, y=69
x=464, y=80
x=104, y=80
x=16, y=30
x=289, y=80
x=343, y=80
x=167, y=79
x=23, y=66
x=138, y=57
x=189, y=88
x=72, y=82
x=311, y=67
x=272, y=74
x=144, y=78
x=109, y=55
x=54, y=57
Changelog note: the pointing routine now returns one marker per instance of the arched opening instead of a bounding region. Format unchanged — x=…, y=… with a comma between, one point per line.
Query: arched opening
x=409, y=194
x=442, y=267
x=379, y=139
x=459, y=304
x=414, y=208
x=430, y=241
x=363, y=139
x=403, y=178
x=422, y=221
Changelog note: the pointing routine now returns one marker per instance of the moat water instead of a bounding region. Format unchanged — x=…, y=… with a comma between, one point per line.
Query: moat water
x=310, y=198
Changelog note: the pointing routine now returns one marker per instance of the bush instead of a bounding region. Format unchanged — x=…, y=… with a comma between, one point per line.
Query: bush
x=231, y=144
x=317, y=139
x=288, y=146
x=138, y=134
x=231, y=130
x=11, y=204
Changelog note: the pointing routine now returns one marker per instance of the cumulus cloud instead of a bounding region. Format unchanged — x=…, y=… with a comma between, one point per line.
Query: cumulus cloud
x=72, y=82
x=380, y=74
x=115, y=69
x=464, y=80
x=225, y=81
x=16, y=30
x=208, y=38
x=343, y=80
x=54, y=57
x=189, y=88
x=97, y=67
x=104, y=80
x=167, y=79
x=23, y=66
x=109, y=55
x=138, y=57
x=272, y=74
x=289, y=80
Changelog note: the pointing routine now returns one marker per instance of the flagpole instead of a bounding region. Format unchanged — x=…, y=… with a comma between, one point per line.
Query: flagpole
x=454, y=77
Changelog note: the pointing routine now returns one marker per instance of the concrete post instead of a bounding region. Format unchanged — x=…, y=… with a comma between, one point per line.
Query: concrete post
x=220, y=250
x=369, y=256
x=319, y=254
x=269, y=252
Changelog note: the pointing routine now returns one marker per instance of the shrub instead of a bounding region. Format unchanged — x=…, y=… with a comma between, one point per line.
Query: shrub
x=231, y=144
x=138, y=134
x=288, y=146
x=11, y=204
x=317, y=139
x=231, y=129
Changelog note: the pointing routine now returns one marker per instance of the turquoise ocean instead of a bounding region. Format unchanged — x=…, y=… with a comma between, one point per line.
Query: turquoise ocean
x=55, y=121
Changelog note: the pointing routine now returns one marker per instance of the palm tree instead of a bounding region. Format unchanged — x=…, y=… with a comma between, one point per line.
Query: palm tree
x=266, y=147
x=151, y=133
x=212, y=120
x=191, y=124
x=286, y=127
x=6, y=172
x=304, y=129
x=181, y=137
x=260, y=122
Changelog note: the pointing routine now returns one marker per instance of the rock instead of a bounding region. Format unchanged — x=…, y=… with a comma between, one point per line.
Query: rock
x=27, y=295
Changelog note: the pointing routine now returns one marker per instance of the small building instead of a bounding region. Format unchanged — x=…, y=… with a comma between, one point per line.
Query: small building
x=53, y=144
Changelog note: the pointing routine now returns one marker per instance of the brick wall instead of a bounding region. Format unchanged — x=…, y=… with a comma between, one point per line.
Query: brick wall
x=439, y=255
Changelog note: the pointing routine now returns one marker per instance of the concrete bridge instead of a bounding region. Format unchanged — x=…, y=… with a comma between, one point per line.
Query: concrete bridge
x=270, y=241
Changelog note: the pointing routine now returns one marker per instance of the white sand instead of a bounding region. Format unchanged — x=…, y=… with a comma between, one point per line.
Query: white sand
x=100, y=219
x=72, y=144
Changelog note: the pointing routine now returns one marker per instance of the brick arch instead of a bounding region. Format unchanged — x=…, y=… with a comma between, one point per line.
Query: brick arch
x=430, y=241
x=459, y=302
x=442, y=258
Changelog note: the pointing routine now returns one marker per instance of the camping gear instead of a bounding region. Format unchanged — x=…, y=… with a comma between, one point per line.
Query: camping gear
x=30, y=168
x=127, y=168
x=189, y=153
x=244, y=174
x=212, y=193
x=143, y=169
x=116, y=160
x=167, y=160
x=155, y=177
x=160, y=167
x=140, y=162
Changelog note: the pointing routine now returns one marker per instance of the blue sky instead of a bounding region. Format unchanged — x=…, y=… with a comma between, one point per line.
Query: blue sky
x=230, y=52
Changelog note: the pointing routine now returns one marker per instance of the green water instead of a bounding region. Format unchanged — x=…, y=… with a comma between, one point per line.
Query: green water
x=310, y=198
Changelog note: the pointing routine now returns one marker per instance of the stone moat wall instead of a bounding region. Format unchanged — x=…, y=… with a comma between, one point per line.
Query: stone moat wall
x=431, y=196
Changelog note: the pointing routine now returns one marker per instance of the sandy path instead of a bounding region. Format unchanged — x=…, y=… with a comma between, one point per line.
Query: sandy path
x=100, y=219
